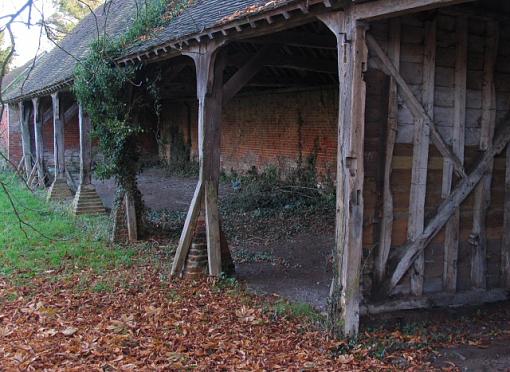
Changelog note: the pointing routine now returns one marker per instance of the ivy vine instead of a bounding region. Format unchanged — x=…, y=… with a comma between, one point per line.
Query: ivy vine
x=113, y=96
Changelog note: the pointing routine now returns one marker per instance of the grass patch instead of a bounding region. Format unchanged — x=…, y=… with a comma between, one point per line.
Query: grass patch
x=55, y=241
x=294, y=310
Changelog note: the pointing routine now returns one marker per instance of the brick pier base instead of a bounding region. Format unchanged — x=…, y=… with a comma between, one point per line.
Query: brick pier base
x=86, y=201
x=59, y=190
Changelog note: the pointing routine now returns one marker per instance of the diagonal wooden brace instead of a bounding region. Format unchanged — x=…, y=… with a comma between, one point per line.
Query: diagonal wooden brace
x=407, y=254
x=415, y=106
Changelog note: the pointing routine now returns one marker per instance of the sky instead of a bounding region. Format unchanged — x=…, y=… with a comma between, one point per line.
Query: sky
x=27, y=38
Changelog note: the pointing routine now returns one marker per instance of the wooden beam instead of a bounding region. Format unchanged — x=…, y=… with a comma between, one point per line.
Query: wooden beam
x=58, y=137
x=352, y=58
x=210, y=64
x=505, y=246
x=188, y=230
x=415, y=107
x=24, y=115
x=245, y=74
x=297, y=39
x=406, y=254
x=421, y=144
x=391, y=136
x=392, y=8
x=85, y=148
x=39, y=144
x=482, y=200
x=452, y=230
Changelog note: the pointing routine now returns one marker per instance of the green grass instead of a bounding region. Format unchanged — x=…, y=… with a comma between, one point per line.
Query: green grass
x=55, y=241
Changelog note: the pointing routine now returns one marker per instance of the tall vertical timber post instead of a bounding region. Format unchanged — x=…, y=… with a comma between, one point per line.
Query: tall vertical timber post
x=86, y=200
x=24, y=116
x=345, y=291
x=209, y=65
x=39, y=149
x=59, y=189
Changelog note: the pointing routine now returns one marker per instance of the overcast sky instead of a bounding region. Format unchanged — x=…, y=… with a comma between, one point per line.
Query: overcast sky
x=27, y=39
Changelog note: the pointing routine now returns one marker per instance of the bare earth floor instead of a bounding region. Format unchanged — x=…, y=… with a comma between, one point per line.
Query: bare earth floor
x=298, y=269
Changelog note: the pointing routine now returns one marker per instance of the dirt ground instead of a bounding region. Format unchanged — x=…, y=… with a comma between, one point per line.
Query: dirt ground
x=296, y=268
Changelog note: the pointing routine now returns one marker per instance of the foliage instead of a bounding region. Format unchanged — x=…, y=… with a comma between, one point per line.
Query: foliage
x=76, y=242
x=4, y=52
x=67, y=15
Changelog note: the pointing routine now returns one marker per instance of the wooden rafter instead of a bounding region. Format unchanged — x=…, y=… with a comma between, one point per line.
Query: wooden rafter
x=406, y=254
x=415, y=107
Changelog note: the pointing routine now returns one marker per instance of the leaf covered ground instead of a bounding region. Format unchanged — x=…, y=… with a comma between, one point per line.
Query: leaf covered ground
x=79, y=303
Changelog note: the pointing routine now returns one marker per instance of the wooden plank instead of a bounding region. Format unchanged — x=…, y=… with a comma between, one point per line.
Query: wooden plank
x=421, y=156
x=85, y=148
x=505, y=246
x=392, y=8
x=478, y=237
x=212, y=221
x=38, y=136
x=131, y=217
x=406, y=254
x=416, y=108
x=475, y=297
x=58, y=137
x=188, y=230
x=452, y=231
x=391, y=135
x=24, y=112
x=352, y=58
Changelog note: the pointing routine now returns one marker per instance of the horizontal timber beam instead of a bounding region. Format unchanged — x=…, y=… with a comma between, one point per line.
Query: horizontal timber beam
x=392, y=8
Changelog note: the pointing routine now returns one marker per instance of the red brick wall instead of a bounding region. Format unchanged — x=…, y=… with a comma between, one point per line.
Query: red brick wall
x=267, y=129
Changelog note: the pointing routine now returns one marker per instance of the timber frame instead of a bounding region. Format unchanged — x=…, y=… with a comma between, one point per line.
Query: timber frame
x=430, y=140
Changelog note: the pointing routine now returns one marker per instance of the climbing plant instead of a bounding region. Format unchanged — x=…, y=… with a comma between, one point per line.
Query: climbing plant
x=114, y=96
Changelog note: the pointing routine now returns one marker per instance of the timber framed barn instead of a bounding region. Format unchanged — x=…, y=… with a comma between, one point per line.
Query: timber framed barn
x=405, y=100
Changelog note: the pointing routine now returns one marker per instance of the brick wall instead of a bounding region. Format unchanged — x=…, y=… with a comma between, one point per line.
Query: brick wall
x=14, y=150
x=265, y=129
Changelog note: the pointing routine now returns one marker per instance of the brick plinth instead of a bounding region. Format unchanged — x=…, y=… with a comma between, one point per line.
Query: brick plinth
x=86, y=201
x=59, y=190
x=196, y=262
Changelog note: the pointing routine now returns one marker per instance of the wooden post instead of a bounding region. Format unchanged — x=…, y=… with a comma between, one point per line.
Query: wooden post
x=482, y=200
x=85, y=148
x=24, y=116
x=131, y=217
x=209, y=64
x=505, y=246
x=421, y=143
x=391, y=136
x=352, y=57
x=59, y=189
x=39, y=146
x=452, y=230
x=86, y=200
x=58, y=137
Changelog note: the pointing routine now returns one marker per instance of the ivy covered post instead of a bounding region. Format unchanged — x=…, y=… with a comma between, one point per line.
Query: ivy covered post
x=59, y=189
x=86, y=200
x=209, y=63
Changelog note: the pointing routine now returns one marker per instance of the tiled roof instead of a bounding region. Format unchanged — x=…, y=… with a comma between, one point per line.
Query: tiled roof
x=55, y=68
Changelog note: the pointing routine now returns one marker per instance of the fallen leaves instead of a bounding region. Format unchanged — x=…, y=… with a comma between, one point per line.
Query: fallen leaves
x=143, y=324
